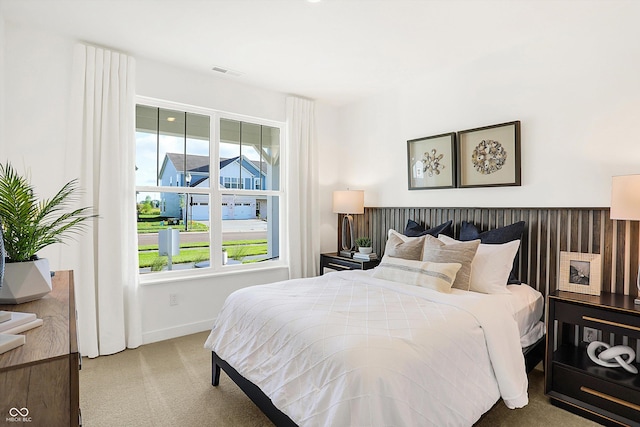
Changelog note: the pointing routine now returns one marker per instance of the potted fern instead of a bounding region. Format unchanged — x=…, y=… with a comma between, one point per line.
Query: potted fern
x=29, y=225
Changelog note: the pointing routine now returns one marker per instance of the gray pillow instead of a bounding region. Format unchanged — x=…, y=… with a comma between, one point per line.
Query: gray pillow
x=410, y=249
x=462, y=253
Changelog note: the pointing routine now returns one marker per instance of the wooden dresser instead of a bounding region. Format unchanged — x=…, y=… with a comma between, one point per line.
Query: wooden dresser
x=43, y=374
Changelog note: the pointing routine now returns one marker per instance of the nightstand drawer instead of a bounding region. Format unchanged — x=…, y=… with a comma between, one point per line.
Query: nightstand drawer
x=614, y=320
x=602, y=394
x=338, y=263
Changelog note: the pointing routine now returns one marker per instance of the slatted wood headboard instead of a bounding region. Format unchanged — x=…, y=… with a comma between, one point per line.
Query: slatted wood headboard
x=548, y=231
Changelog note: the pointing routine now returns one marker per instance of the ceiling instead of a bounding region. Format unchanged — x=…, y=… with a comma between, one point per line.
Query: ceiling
x=336, y=51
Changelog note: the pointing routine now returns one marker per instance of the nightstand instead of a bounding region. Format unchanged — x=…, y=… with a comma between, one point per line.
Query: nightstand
x=337, y=262
x=572, y=380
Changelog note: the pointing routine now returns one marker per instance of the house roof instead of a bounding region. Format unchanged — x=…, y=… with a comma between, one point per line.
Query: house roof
x=195, y=163
x=225, y=162
x=256, y=164
x=200, y=164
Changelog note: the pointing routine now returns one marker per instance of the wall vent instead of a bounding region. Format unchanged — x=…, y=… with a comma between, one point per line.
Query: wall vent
x=226, y=71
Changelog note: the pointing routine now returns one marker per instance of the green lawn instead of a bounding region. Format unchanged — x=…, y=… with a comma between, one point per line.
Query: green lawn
x=206, y=244
x=146, y=259
x=197, y=254
x=190, y=252
x=153, y=223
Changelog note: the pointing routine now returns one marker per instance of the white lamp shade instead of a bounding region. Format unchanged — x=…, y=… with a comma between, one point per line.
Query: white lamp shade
x=348, y=202
x=625, y=197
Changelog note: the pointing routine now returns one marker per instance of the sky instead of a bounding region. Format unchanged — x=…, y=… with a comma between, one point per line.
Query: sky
x=147, y=169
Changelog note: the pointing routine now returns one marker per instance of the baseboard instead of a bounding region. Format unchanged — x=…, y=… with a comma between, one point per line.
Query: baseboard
x=177, y=331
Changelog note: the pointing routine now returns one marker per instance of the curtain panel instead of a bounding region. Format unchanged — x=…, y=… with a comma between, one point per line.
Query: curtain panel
x=302, y=216
x=101, y=150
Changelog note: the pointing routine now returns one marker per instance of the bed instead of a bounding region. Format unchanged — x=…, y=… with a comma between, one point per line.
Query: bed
x=394, y=345
x=314, y=347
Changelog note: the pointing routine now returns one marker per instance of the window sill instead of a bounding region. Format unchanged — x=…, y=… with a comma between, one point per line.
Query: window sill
x=187, y=275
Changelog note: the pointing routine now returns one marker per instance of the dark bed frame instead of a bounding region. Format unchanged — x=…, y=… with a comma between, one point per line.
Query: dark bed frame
x=533, y=355
x=549, y=231
x=254, y=393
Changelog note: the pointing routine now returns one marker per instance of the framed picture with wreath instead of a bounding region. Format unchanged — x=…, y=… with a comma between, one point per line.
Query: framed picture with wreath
x=489, y=156
x=431, y=162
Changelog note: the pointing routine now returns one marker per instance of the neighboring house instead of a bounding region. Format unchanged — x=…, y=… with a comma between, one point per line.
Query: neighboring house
x=235, y=173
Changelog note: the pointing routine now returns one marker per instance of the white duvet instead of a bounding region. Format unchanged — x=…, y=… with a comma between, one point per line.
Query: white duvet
x=346, y=349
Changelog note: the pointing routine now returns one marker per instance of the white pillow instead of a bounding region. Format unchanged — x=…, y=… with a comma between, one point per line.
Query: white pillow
x=432, y=275
x=491, y=266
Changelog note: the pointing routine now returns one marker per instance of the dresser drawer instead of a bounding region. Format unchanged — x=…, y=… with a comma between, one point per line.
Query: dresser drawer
x=609, y=396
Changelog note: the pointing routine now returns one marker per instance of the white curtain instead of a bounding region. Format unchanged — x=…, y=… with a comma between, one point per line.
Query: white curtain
x=101, y=152
x=302, y=191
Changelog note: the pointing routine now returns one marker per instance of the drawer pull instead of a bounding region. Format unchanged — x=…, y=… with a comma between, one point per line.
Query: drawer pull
x=608, y=322
x=610, y=398
x=332, y=265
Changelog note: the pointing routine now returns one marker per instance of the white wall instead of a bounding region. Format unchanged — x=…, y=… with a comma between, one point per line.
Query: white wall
x=2, y=103
x=577, y=95
x=36, y=71
x=205, y=89
x=36, y=87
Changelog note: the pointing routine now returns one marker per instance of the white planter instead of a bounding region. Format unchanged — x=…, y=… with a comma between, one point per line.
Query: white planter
x=225, y=257
x=25, y=281
x=365, y=250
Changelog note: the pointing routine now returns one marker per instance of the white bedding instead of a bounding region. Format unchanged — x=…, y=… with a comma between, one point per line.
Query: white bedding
x=349, y=349
x=527, y=306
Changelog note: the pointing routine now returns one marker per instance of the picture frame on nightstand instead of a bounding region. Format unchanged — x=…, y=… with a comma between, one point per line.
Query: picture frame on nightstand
x=580, y=273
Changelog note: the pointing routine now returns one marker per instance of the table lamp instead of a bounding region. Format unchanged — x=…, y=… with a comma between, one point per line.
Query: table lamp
x=348, y=202
x=625, y=204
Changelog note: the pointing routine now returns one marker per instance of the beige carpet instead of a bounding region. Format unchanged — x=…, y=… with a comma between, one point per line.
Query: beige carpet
x=169, y=384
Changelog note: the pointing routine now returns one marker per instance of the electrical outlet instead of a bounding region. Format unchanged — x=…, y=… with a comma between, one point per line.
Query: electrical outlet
x=590, y=334
x=173, y=299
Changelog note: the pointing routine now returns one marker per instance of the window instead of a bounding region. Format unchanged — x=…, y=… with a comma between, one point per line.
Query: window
x=184, y=221
x=230, y=182
x=250, y=162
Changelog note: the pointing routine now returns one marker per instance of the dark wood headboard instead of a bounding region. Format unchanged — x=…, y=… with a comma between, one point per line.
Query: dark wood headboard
x=548, y=231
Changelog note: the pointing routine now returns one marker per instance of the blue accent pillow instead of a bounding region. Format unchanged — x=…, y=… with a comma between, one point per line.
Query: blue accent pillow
x=413, y=229
x=500, y=235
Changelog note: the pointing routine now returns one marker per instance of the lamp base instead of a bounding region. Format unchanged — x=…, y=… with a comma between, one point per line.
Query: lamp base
x=637, y=300
x=346, y=254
